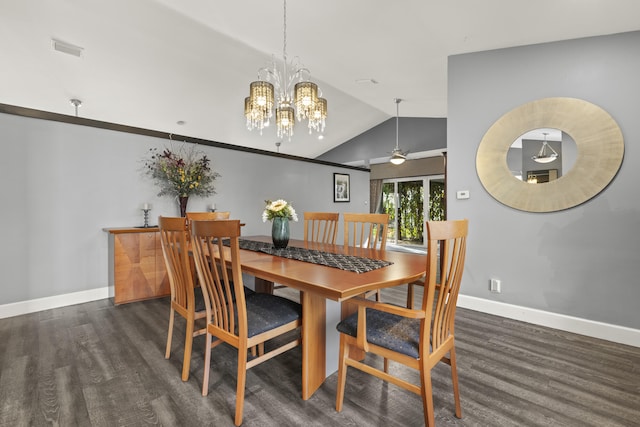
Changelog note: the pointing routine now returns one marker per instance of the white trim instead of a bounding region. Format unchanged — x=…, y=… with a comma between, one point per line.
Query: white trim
x=46, y=303
x=605, y=331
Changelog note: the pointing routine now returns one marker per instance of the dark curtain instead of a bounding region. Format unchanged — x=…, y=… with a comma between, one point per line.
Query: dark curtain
x=375, y=196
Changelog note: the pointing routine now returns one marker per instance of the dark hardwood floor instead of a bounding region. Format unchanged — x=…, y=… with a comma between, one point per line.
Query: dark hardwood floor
x=96, y=364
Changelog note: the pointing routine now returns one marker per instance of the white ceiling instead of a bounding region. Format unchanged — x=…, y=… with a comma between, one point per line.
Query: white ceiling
x=152, y=63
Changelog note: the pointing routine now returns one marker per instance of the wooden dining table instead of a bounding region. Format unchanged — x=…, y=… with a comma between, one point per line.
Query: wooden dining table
x=318, y=283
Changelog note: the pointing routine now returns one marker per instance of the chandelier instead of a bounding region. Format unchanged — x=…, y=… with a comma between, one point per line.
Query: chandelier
x=290, y=91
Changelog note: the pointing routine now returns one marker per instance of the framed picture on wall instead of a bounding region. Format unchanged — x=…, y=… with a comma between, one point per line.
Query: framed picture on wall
x=341, y=187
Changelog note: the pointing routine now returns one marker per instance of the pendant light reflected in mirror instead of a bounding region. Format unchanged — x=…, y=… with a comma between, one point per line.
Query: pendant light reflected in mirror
x=397, y=156
x=546, y=154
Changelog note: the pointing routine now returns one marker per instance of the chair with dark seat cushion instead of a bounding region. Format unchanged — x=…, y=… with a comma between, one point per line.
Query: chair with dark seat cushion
x=243, y=321
x=186, y=300
x=416, y=338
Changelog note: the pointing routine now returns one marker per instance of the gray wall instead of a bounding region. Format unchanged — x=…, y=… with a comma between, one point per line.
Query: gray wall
x=64, y=183
x=414, y=135
x=582, y=262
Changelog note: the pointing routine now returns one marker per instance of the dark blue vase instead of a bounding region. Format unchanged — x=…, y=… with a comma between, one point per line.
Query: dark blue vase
x=280, y=232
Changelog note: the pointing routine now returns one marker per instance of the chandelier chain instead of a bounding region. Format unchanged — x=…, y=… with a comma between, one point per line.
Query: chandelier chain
x=284, y=38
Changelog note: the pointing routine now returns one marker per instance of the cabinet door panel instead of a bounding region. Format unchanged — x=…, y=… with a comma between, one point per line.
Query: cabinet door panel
x=135, y=267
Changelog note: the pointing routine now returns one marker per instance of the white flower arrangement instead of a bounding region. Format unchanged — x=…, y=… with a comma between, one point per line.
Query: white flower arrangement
x=278, y=209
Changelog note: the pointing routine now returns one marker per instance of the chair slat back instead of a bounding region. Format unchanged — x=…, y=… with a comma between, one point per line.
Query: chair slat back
x=202, y=216
x=321, y=227
x=176, y=257
x=224, y=291
x=446, y=250
x=199, y=216
x=367, y=230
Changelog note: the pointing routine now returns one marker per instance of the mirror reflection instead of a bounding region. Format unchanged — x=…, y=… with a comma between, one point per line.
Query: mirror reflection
x=541, y=155
x=585, y=166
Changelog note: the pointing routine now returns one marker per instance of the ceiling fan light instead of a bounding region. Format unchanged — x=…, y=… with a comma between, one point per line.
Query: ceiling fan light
x=397, y=157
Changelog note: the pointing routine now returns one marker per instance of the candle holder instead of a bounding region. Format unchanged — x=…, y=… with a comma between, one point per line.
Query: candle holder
x=146, y=218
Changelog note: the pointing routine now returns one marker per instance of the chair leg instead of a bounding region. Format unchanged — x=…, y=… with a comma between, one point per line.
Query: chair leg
x=242, y=380
x=342, y=373
x=427, y=396
x=207, y=364
x=188, y=345
x=454, y=381
x=410, y=296
x=170, y=333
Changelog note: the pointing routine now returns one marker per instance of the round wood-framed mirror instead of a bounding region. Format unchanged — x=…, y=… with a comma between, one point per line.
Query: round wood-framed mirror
x=600, y=149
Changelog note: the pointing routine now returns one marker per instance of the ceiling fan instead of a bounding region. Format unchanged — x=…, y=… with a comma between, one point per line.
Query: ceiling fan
x=397, y=156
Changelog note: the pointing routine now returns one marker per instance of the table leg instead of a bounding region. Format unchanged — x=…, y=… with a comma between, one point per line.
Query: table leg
x=263, y=286
x=314, y=359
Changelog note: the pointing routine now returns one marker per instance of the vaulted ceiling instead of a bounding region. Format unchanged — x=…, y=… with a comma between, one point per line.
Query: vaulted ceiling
x=154, y=63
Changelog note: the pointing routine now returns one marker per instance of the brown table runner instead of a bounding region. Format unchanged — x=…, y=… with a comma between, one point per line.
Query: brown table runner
x=344, y=262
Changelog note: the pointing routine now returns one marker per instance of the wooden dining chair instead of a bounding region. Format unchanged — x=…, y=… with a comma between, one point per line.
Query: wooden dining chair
x=186, y=300
x=321, y=227
x=416, y=338
x=368, y=230
x=202, y=216
x=199, y=216
x=242, y=321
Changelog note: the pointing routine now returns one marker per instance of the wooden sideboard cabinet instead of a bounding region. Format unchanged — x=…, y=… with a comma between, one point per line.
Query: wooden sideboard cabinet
x=136, y=264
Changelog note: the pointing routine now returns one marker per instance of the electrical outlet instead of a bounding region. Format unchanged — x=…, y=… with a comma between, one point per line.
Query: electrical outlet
x=495, y=286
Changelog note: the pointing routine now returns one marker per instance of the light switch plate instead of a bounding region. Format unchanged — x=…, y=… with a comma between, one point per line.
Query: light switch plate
x=462, y=194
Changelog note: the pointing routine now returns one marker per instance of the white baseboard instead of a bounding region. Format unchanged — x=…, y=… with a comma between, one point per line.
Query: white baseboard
x=39, y=304
x=605, y=331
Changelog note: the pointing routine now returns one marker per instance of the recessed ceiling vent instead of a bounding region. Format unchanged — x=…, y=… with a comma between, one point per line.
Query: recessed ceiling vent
x=67, y=48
